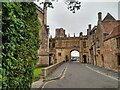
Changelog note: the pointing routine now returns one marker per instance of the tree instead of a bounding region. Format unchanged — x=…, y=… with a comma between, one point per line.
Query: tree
x=72, y=5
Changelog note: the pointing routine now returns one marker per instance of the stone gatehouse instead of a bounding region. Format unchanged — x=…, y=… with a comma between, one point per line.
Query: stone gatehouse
x=101, y=45
x=62, y=45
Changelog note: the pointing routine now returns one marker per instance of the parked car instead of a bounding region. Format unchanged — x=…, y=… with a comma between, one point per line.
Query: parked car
x=73, y=59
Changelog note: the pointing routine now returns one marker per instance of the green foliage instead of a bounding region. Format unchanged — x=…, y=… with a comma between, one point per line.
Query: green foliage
x=37, y=72
x=0, y=48
x=73, y=5
x=20, y=42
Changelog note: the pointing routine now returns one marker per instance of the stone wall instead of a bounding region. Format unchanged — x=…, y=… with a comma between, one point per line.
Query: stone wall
x=65, y=45
x=43, y=52
x=103, y=47
x=99, y=50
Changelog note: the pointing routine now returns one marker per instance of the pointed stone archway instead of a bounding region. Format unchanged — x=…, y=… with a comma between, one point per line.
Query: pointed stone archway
x=64, y=45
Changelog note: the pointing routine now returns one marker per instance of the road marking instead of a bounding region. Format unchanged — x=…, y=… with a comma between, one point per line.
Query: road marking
x=55, y=80
x=102, y=73
x=46, y=83
x=64, y=72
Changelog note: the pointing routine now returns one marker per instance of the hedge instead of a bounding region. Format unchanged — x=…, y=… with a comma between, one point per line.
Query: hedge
x=20, y=43
x=0, y=49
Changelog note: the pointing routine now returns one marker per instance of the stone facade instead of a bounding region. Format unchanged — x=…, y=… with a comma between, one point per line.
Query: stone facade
x=104, y=42
x=62, y=45
x=101, y=45
x=43, y=52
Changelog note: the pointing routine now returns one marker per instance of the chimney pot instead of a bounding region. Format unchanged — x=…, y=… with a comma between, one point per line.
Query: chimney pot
x=89, y=26
x=74, y=34
x=81, y=33
x=99, y=16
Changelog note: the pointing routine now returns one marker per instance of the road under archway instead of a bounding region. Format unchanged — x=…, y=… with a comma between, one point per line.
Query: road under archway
x=75, y=56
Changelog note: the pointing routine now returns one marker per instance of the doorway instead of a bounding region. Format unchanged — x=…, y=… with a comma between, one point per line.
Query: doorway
x=50, y=55
x=84, y=59
x=66, y=58
x=118, y=59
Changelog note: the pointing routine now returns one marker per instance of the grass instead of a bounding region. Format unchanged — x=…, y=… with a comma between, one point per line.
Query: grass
x=0, y=76
x=36, y=73
x=0, y=81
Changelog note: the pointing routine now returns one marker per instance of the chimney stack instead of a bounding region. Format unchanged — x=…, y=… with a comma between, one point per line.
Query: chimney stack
x=80, y=34
x=74, y=34
x=89, y=26
x=68, y=35
x=99, y=16
x=50, y=36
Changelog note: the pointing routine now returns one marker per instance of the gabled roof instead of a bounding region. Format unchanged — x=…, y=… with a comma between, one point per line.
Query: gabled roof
x=108, y=17
x=115, y=32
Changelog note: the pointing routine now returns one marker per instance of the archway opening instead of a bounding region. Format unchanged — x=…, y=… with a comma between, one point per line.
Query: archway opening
x=84, y=59
x=75, y=56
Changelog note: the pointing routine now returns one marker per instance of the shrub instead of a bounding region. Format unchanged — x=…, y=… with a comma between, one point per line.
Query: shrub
x=37, y=72
x=20, y=42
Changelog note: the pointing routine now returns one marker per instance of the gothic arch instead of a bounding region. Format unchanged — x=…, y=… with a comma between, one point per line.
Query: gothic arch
x=74, y=50
x=64, y=45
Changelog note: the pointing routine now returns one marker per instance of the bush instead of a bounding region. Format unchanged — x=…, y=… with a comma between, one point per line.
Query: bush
x=37, y=72
x=0, y=49
x=20, y=42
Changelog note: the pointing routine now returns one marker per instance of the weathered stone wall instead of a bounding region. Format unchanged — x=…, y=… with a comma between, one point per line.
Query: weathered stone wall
x=109, y=54
x=60, y=32
x=102, y=51
x=43, y=52
x=65, y=45
x=109, y=25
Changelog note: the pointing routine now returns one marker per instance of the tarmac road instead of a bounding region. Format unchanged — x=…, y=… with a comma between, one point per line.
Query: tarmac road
x=79, y=76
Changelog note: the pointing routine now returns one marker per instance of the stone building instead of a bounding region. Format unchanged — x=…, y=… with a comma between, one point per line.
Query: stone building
x=92, y=44
x=104, y=42
x=101, y=45
x=43, y=52
x=62, y=45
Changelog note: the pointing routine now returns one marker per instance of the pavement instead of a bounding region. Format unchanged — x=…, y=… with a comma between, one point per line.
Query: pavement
x=103, y=70
x=37, y=84
x=53, y=76
x=57, y=73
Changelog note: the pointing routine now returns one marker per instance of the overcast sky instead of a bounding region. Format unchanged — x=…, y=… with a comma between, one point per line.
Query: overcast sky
x=61, y=17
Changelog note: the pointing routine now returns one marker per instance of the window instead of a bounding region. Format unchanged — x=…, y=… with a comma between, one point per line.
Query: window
x=84, y=44
x=59, y=54
x=53, y=45
x=98, y=44
x=118, y=59
x=49, y=45
x=118, y=43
